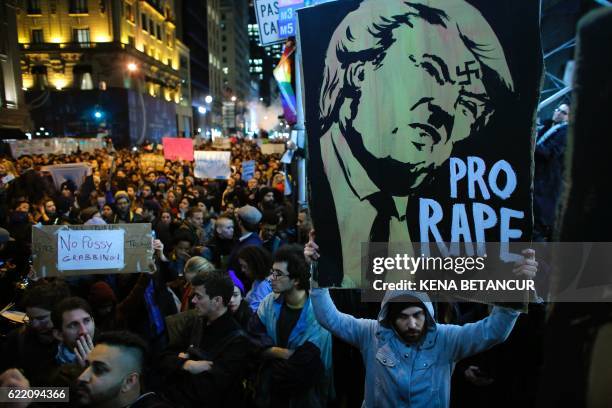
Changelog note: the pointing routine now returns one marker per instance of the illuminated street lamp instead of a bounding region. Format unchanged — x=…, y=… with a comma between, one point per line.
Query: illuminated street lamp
x=233, y=98
x=202, y=110
x=208, y=99
x=132, y=67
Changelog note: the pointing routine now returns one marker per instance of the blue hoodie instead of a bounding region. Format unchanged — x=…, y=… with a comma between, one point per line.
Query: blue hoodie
x=416, y=375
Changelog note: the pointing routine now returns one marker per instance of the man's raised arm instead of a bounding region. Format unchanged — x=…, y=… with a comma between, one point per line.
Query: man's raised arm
x=348, y=328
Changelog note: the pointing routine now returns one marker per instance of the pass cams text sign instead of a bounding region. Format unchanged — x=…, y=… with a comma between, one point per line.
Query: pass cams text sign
x=266, y=12
x=91, y=249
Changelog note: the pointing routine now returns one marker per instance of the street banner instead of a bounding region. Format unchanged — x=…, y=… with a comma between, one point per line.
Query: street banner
x=282, y=74
x=75, y=172
x=273, y=148
x=178, y=148
x=212, y=165
x=55, y=145
x=419, y=118
x=91, y=249
x=150, y=160
x=248, y=169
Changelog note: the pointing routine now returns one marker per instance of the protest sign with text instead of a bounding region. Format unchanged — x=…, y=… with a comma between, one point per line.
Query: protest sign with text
x=91, y=249
x=212, y=165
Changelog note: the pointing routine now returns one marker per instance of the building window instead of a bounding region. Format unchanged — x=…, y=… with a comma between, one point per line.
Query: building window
x=82, y=77
x=129, y=13
x=184, y=63
x=131, y=40
x=78, y=7
x=151, y=27
x=37, y=36
x=34, y=7
x=81, y=36
x=143, y=21
x=158, y=32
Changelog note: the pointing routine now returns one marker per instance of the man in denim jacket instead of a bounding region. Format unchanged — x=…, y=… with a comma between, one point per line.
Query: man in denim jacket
x=408, y=357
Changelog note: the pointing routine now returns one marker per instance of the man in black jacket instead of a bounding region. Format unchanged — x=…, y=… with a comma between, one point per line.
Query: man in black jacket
x=205, y=366
x=549, y=169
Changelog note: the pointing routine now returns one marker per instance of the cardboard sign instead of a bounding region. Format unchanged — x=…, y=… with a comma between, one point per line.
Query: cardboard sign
x=435, y=145
x=87, y=249
x=248, y=170
x=60, y=250
x=222, y=143
x=150, y=160
x=178, y=148
x=212, y=165
x=273, y=148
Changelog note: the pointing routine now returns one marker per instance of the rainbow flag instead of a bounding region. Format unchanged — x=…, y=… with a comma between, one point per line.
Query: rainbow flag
x=282, y=74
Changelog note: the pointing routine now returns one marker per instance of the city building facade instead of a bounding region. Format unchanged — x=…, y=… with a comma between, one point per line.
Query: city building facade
x=14, y=117
x=128, y=48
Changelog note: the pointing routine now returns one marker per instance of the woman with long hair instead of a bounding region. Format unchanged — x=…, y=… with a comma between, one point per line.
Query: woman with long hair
x=256, y=264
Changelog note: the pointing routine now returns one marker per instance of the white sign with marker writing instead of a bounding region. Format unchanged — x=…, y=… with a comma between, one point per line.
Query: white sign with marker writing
x=90, y=249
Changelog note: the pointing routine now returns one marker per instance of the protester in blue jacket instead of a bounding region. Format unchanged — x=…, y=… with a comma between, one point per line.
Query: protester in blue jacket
x=408, y=357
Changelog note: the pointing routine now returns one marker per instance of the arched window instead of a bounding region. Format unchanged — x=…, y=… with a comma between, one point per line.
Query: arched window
x=83, y=77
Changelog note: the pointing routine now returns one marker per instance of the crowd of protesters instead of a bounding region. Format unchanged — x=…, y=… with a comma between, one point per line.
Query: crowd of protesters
x=214, y=243
x=225, y=314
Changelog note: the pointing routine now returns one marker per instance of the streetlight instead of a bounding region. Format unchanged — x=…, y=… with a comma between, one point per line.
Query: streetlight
x=233, y=98
x=208, y=99
x=201, y=110
x=132, y=67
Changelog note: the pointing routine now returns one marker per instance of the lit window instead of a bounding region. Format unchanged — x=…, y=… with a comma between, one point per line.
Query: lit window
x=34, y=7
x=81, y=36
x=37, y=36
x=78, y=7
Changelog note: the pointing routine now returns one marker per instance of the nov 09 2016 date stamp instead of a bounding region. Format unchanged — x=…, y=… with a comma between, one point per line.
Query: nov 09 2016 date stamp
x=34, y=394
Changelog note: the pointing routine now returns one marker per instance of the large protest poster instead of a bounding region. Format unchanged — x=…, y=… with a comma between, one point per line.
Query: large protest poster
x=419, y=118
x=212, y=165
x=91, y=249
x=178, y=148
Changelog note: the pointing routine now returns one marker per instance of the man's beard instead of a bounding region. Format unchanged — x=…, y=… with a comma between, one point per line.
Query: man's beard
x=411, y=337
x=100, y=399
x=390, y=176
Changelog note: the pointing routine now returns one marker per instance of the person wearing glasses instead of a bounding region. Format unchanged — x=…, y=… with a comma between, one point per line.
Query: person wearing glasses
x=549, y=169
x=295, y=348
